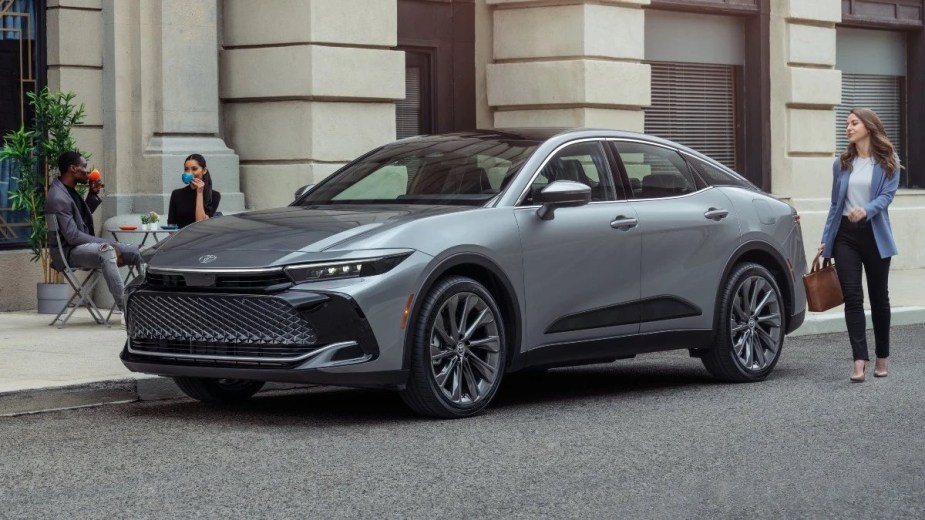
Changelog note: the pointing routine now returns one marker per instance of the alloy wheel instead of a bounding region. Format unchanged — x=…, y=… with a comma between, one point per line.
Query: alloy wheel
x=465, y=349
x=755, y=323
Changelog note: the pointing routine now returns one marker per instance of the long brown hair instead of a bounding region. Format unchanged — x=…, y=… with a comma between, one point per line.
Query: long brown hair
x=880, y=146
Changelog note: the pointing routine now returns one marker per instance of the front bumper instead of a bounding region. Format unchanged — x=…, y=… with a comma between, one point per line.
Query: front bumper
x=285, y=336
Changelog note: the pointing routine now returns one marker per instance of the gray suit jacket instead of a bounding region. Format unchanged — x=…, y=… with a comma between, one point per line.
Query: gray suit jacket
x=71, y=226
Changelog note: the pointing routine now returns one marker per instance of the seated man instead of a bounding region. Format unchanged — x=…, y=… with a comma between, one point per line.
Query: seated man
x=75, y=225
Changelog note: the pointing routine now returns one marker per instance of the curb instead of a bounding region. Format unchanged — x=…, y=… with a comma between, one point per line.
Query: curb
x=97, y=393
x=834, y=321
x=115, y=391
x=153, y=388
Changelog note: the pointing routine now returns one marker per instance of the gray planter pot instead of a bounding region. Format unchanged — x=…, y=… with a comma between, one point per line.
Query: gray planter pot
x=52, y=297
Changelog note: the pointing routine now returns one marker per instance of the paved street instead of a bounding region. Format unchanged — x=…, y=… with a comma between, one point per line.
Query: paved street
x=650, y=437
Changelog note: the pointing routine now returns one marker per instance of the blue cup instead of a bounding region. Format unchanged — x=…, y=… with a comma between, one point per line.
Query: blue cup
x=187, y=177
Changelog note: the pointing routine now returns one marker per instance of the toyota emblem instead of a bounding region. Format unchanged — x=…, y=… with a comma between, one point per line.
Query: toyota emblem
x=205, y=259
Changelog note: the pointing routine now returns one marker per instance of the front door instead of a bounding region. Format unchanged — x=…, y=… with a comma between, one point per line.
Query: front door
x=581, y=269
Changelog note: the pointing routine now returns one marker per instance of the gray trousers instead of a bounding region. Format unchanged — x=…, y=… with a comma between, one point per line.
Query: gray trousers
x=103, y=256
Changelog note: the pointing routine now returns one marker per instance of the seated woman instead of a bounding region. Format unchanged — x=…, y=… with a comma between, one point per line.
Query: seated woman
x=196, y=202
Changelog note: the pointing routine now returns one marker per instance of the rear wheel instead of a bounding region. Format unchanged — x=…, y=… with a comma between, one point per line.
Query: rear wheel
x=222, y=391
x=751, y=327
x=458, y=351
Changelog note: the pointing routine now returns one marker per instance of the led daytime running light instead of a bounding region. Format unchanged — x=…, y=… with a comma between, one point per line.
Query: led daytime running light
x=346, y=269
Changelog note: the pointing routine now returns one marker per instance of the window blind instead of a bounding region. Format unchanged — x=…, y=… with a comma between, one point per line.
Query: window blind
x=885, y=95
x=694, y=104
x=408, y=110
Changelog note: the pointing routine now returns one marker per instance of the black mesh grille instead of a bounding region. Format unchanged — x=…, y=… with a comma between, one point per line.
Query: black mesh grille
x=258, y=355
x=264, y=321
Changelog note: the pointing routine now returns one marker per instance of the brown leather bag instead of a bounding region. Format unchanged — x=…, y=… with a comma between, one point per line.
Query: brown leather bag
x=823, y=291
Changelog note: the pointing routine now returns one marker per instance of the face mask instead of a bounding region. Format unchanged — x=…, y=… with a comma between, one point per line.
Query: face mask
x=187, y=177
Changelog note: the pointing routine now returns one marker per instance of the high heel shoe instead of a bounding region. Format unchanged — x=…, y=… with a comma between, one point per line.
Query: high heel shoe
x=859, y=378
x=881, y=369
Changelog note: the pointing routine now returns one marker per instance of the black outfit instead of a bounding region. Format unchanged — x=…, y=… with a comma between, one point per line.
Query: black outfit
x=182, y=209
x=855, y=247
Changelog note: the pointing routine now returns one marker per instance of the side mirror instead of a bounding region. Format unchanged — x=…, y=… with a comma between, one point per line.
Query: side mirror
x=303, y=190
x=561, y=194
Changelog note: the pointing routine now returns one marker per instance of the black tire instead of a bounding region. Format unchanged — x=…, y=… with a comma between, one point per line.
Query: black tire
x=218, y=391
x=749, y=338
x=424, y=394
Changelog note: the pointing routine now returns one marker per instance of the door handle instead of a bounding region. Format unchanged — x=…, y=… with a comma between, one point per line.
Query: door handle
x=716, y=214
x=624, y=223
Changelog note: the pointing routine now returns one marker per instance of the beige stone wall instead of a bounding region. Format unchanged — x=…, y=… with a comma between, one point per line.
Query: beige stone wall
x=75, y=63
x=568, y=65
x=306, y=87
x=18, y=277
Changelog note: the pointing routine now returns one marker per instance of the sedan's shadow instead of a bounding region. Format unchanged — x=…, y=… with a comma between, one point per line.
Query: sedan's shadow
x=343, y=406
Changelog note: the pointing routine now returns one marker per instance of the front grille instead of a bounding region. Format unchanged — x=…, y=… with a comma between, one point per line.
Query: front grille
x=260, y=321
x=210, y=353
x=231, y=281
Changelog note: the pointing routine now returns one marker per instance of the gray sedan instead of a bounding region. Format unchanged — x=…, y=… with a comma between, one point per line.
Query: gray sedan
x=436, y=265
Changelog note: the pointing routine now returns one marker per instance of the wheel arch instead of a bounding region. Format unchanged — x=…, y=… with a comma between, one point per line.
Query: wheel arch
x=765, y=255
x=489, y=274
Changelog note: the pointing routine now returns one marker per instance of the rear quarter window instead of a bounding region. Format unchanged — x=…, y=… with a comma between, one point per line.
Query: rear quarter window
x=714, y=176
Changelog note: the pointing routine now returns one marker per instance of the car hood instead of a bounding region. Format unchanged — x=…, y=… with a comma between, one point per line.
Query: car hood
x=279, y=236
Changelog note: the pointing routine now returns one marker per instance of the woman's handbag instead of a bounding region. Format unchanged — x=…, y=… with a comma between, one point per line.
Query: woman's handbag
x=823, y=291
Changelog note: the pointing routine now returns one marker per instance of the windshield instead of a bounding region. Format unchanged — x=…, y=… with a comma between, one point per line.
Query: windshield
x=434, y=170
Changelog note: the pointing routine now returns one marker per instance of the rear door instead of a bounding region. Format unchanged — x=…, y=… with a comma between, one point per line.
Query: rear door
x=581, y=269
x=688, y=233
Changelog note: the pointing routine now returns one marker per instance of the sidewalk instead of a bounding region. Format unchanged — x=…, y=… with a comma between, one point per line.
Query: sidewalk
x=47, y=368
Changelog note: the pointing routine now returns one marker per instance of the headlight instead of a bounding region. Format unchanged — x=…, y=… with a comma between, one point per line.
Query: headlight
x=344, y=269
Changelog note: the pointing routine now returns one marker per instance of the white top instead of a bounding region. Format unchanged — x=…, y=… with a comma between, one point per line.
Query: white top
x=862, y=174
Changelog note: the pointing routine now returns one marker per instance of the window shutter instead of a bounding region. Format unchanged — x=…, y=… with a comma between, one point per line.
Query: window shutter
x=694, y=104
x=408, y=110
x=885, y=95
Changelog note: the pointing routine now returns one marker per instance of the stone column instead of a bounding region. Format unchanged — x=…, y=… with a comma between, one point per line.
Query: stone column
x=569, y=65
x=307, y=87
x=160, y=102
x=805, y=88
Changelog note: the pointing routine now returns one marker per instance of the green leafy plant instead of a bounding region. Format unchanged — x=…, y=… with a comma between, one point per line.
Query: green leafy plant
x=34, y=152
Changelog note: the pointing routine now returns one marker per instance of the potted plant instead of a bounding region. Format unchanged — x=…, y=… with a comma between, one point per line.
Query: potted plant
x=35, y=151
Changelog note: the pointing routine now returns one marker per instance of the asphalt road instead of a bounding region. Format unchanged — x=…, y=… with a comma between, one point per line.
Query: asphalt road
x=652, y=437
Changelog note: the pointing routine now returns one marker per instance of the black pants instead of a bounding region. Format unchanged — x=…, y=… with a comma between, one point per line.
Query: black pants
x=855, y=248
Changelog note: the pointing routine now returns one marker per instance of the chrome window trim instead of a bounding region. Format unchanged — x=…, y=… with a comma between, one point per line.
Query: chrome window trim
x=302, y=357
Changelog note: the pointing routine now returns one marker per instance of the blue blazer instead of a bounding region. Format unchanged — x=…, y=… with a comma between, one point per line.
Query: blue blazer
x=881, y=195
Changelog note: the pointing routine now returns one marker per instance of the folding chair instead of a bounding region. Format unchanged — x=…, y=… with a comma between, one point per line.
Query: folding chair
x=83, y=291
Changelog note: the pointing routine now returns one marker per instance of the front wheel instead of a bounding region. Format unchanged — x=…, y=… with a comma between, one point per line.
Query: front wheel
x=458, y=350
x=751, y=327
x=220, y=391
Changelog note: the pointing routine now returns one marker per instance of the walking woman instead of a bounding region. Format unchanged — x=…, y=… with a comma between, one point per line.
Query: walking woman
x=197, y=201
x=858, y=235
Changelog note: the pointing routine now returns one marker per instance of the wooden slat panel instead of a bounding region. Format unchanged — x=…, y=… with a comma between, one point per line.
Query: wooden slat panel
x=882, y=13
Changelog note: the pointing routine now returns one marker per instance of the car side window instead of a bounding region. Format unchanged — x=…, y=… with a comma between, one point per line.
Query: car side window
x=655, y=172
x=582, y=162
x=714, y=176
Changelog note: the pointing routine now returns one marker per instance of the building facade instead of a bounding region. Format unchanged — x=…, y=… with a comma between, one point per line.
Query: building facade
x=280, y=93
